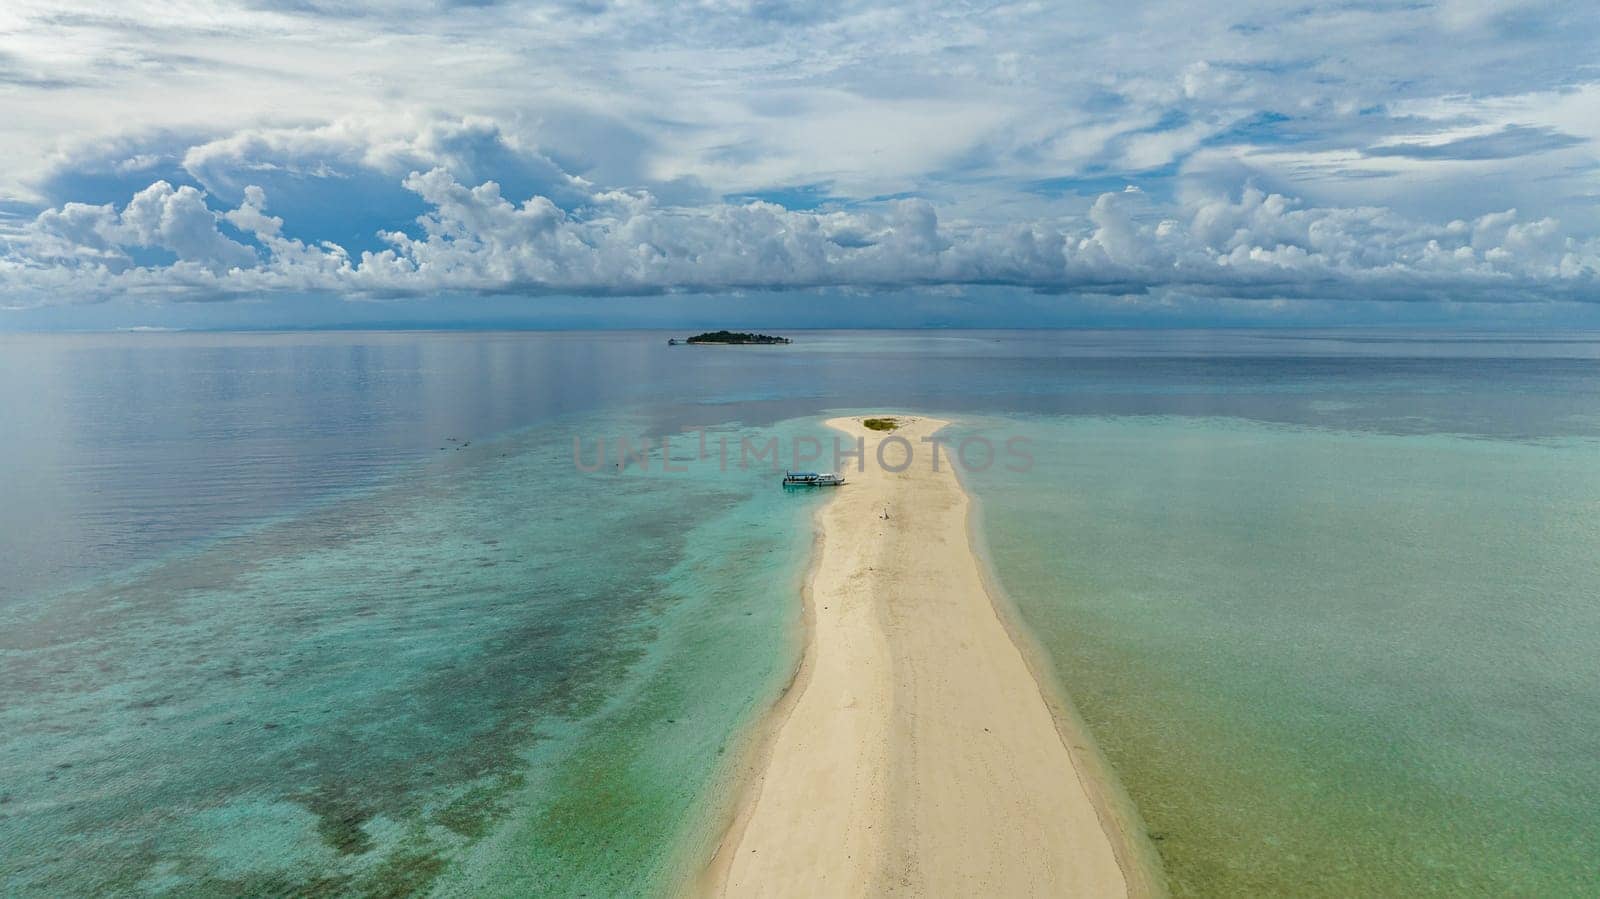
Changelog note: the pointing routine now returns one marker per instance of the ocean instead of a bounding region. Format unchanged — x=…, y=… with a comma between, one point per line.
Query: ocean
x=381, y=613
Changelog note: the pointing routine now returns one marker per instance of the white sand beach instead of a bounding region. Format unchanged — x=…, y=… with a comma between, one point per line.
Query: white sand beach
x=915, y=753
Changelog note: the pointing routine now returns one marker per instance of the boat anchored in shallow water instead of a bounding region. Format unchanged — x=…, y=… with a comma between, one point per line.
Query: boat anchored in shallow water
x=811, y=479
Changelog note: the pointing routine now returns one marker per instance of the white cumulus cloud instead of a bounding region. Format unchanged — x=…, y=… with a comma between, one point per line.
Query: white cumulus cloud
x=474, y=239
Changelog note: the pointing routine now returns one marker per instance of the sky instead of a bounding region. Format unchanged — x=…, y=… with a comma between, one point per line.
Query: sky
x=284, y=163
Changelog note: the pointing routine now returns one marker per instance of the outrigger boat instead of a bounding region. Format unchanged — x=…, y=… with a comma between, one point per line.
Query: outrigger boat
x=811, y=479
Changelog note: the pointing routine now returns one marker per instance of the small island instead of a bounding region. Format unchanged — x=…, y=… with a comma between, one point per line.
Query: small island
x=732, y=338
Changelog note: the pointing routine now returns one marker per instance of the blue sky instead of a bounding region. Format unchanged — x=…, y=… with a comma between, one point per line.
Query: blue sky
x=590, y=163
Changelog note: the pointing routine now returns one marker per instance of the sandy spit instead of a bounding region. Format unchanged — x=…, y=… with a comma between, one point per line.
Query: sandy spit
x=915, y=753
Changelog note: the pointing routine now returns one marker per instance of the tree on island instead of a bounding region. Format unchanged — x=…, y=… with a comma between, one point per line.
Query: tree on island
x=736, y=337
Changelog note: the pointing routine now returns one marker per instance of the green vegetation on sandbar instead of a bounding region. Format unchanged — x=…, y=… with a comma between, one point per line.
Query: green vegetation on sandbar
x=880, y=424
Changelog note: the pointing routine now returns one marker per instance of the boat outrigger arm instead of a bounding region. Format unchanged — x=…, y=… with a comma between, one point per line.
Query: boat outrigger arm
x=811, y=479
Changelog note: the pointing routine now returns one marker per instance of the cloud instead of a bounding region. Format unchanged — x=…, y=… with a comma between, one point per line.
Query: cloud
x=592, y=147
x=17, y=73
x=160, y=217
x=1507, y=143
x=474, y=239
x=474, y=149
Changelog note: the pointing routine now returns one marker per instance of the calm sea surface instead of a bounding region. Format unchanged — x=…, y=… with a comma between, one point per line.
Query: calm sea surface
x=338, y=613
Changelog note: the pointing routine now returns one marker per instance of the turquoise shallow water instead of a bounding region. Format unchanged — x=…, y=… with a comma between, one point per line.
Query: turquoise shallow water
x=290, y=614
x=501, y=676
x=1324, y=663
